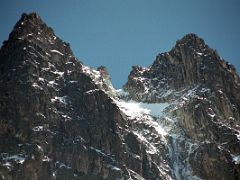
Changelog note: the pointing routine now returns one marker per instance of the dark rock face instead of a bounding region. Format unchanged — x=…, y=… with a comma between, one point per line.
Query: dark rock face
x=58, y=118
x=204, y=92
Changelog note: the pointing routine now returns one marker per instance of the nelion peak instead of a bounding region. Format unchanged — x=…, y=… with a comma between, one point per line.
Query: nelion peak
x=60, y=119
x=203, y=91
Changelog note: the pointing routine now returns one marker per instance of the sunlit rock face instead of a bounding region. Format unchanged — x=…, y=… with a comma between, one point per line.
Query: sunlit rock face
x=60, y=119
x=203, y=91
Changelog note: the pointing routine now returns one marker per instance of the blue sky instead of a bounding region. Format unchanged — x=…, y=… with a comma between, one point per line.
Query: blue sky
x=122, y=33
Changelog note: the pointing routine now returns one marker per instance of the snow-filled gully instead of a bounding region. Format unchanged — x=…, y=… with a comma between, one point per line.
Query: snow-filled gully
x=156, y=116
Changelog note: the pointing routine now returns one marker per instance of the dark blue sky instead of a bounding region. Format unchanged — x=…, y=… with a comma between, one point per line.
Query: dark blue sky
x=122, y=33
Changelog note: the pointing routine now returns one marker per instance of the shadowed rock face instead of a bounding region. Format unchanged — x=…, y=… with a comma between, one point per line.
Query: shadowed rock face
x=60, y=119
x=204, y=91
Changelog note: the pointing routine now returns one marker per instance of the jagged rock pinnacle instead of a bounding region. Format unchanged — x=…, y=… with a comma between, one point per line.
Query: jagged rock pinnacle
x=191, y=62
x=191, y=38
x=30, y=24
x=192, y=41
x=31, y=16
x=29, y=20
x=33, y=42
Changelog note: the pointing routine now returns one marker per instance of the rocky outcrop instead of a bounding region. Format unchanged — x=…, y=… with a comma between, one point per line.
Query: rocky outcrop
x=204, y=92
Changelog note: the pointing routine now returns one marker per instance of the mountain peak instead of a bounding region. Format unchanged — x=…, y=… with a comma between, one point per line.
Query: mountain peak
x=190, y=63
x=35, y=43
x=191, y=40
x=30, y=24
x=30, y=16
x=29, y=19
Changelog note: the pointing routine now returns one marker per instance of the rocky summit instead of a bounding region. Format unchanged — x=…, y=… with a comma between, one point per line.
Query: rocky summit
x=178, y=119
